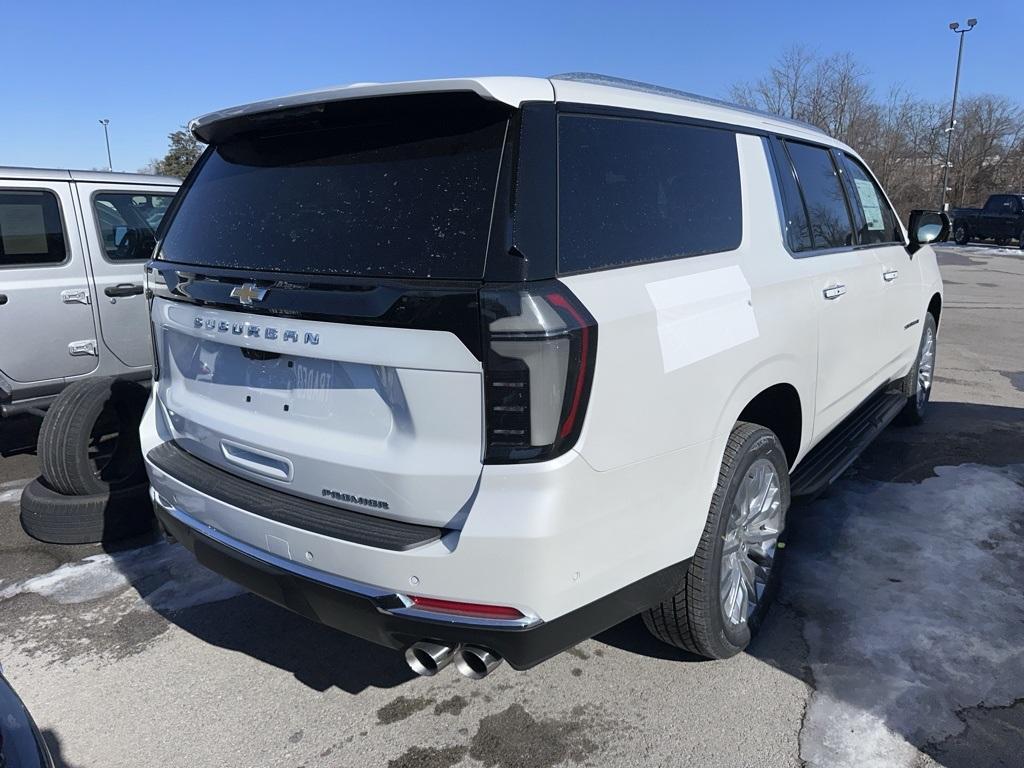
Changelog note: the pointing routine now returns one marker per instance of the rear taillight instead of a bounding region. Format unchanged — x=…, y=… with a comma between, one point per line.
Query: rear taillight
x=540, y=344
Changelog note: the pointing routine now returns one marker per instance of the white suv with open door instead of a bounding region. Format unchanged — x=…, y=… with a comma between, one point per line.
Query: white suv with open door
x=478, y=368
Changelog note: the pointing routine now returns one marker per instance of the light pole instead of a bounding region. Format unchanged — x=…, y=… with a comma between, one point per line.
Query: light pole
x=955, y=26
x=105, y=122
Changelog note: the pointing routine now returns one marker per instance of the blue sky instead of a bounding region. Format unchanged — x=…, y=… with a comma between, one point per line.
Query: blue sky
x=150, y=66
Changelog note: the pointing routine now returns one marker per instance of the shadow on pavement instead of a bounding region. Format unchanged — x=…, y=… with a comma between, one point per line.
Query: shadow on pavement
x=318, y=657
x=53, y=743
x=18, y=435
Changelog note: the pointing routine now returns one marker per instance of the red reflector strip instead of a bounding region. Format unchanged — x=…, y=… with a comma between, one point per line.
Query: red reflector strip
x=466, y=609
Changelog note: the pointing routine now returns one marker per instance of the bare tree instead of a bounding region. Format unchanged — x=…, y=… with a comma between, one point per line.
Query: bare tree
x=901, y=137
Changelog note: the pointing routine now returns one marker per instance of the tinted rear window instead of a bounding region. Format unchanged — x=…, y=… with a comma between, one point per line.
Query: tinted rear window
x=632, y=191
x=823, y=196
x=383, y=188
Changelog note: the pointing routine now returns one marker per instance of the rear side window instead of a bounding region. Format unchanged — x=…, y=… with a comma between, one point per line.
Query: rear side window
x=399, y=187
x=633, y=191
x=797, y=229
x=128, y=222
x=823, y=197
x=31, y=233
x=877, y=222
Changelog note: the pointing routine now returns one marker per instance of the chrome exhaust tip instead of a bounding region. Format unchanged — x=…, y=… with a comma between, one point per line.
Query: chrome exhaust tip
x=427, y=659
x=476, y=663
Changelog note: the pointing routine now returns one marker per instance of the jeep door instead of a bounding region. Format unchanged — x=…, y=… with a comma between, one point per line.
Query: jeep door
x=120, y=224
x=46, y=321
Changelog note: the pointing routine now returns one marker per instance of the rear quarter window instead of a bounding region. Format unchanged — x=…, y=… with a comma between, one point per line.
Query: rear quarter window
x=632, y=191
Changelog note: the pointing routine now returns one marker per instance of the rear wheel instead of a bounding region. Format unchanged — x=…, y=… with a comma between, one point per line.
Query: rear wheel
x=732, y=578
x=918, y=384
x=961, y=234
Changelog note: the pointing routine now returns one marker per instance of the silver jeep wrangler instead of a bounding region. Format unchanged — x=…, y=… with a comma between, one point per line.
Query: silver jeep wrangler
x=75, y=343
x=72, y=249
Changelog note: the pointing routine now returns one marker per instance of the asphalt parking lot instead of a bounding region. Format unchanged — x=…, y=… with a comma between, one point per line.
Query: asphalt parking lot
x=897, y=640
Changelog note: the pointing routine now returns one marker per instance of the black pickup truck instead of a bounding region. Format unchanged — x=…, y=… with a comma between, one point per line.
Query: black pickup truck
x=1002, y=220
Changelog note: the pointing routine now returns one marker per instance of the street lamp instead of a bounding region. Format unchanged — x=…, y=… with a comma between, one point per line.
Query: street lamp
x=105, y=122
x=955, y=26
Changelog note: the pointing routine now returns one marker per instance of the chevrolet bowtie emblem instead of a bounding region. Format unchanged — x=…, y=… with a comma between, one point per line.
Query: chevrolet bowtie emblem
x=247, y=293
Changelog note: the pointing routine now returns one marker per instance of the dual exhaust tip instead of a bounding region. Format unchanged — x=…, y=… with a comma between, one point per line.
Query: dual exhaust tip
x=427, y=659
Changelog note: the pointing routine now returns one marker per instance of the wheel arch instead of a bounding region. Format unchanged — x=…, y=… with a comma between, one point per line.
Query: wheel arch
x=935, y=307
x=778, y=408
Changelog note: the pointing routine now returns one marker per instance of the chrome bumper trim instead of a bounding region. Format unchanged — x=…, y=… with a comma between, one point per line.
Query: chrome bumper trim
x=387, y=601
x=305, y=571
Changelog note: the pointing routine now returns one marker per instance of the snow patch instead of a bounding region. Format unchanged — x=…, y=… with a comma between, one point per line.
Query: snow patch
x=11, y=496
x=913, y=604
x=165, y=576
x=10, y=491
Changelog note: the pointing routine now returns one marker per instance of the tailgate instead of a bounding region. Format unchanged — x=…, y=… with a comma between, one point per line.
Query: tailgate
x=383, y=420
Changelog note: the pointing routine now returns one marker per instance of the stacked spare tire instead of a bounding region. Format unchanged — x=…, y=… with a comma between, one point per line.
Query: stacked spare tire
x=93, y=485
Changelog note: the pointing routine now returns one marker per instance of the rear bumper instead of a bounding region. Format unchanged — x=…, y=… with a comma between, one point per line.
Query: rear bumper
x=383, y=617
x=574, y=550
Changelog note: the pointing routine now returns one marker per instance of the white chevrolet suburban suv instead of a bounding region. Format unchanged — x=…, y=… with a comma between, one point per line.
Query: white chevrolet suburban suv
x=478, y=368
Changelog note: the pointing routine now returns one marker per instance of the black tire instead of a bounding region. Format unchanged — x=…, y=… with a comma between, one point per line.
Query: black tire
x=961, y=234
x=58, y=519
x=917, y=399
x=89, y=440
x=1020, y=239
x=693, y=619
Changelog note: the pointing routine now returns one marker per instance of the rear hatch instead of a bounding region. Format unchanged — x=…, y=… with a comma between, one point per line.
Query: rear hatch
x=315, y=303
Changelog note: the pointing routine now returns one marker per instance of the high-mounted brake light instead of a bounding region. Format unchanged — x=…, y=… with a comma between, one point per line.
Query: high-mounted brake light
x=539, y=351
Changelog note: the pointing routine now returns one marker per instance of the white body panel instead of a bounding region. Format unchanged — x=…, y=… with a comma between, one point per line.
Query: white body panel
x=684, y=346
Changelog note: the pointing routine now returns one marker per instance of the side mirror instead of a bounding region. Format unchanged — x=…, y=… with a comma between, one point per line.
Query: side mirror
x=927, y=227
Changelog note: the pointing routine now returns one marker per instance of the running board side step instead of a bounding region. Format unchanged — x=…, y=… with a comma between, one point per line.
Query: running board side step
x=841, y=447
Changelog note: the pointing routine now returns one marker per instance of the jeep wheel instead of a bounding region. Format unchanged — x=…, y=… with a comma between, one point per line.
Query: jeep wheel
x=961, y=235
x=58, y=519
x=918, y=383
x=89, y=440
x=734, y=573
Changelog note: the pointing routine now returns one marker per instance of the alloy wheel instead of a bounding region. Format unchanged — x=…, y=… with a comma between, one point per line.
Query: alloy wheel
x=755, y=522
x=926, y=367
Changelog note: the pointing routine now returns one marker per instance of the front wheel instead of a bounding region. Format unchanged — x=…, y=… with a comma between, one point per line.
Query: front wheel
x=918, y=384
x=733, y=576
x=961, y=235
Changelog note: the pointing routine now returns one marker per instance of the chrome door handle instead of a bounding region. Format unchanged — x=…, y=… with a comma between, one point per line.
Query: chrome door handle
x=75, y=296
x=834, y=291
x=890, y=275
